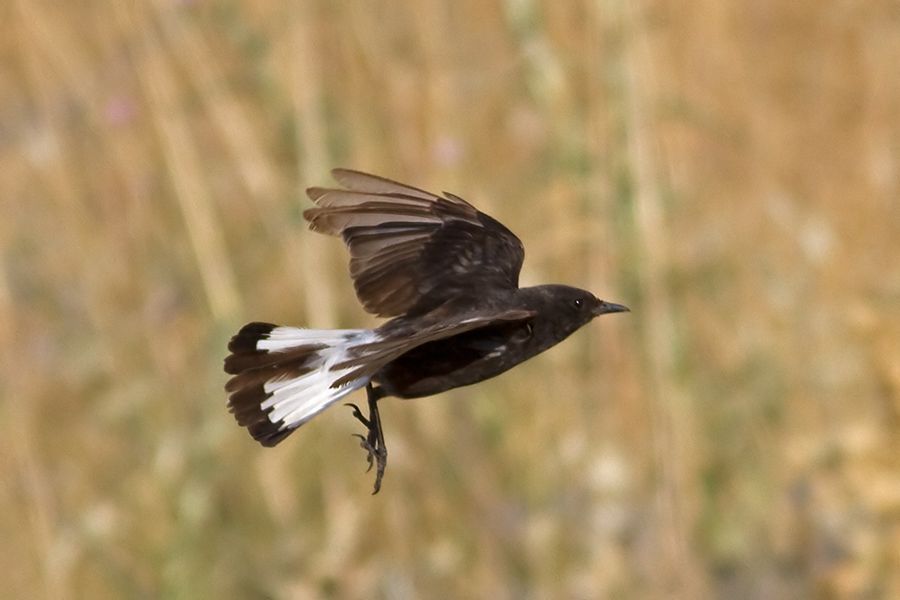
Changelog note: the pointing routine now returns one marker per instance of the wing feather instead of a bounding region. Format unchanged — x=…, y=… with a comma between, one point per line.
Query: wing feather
x=411, y=249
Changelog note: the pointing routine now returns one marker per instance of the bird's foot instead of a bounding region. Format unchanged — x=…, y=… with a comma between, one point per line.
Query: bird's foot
x=359, y=416
x=373, y=441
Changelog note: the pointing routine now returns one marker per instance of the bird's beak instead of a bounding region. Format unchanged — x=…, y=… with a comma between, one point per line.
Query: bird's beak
x=608, y=307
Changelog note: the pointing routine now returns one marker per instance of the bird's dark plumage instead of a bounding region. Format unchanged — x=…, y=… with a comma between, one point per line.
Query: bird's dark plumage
x=447, y=273
x=411, y=250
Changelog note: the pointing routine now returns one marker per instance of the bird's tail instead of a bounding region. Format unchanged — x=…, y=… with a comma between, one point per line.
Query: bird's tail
x=284, y=376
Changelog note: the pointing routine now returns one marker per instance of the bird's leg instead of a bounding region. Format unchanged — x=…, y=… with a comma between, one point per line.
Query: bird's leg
x=373, y=442
x=377, y=432
x=367, y=442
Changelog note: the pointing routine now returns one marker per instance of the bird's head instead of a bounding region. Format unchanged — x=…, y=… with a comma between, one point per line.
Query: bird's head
x=566, y=309
x=583, y=305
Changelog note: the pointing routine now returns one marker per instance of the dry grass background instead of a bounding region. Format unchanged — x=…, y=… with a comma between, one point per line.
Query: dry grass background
x=730, y=170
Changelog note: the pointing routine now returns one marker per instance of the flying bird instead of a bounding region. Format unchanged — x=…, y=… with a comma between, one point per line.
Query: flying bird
x=448, y=276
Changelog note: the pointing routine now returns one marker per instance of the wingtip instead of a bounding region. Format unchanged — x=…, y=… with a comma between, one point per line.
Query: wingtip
x=340, y=174
x=315, y=192
x=311, y=215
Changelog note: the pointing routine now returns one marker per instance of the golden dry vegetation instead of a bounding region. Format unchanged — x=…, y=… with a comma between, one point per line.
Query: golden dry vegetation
x=730, y=170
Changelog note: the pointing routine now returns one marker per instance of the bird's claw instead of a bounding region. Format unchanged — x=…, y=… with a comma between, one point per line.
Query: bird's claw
x=358, y=414
x=366, y=445
x=373, y=441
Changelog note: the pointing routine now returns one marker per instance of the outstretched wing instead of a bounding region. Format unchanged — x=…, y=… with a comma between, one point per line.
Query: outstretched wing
x=411, y=249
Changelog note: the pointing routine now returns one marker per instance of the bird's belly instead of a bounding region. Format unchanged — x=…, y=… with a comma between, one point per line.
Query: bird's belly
x=405, y=379
x=453, y=362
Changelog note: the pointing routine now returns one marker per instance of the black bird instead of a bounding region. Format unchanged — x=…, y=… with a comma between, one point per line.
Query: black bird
x=447, y=273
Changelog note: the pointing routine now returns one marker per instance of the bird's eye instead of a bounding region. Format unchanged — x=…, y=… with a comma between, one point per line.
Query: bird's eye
x=579, y=303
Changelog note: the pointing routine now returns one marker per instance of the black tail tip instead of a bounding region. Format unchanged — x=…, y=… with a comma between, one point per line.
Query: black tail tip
x=245, y=339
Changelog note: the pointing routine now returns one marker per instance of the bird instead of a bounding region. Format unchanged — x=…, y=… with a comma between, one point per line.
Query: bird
x=446, y=276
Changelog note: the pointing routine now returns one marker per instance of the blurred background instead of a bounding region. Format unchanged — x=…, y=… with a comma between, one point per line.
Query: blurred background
x=729, y=170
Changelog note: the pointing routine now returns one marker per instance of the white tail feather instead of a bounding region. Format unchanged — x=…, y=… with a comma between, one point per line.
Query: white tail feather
x=297, y=400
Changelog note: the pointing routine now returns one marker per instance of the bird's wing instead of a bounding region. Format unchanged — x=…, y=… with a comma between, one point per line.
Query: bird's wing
x=409, y=246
